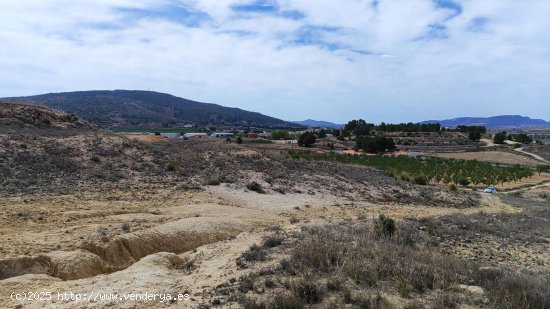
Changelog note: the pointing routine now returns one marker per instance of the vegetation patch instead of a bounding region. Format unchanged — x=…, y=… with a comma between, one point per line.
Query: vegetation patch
x=349, y=264
x=434, y=169
x=256, y=187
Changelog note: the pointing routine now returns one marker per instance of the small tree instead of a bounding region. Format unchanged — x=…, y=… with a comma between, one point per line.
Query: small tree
x=384, y=226
x=474, y=135
x=306, y=139
x=499, y=138
x=542, y=168
x=522, y=138
x=280, y=135
x=463, y=182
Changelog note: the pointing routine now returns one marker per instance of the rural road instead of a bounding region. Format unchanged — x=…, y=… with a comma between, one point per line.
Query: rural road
x=488, y=142
x=532, y=155
x=546, y=184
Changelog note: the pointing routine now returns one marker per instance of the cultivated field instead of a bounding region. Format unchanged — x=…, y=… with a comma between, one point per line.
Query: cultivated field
x=491, y=156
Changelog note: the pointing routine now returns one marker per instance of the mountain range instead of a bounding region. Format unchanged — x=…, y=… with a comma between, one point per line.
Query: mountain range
x=148, y=109
x=310, y=123
x=504, y=121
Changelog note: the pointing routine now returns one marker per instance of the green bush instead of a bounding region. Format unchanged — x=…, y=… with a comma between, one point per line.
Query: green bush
x=256, y=187
x=420, y=180
x=463, y=182
x=172, y=166
x=384, y=226
x=306, y=139
x=452, y=187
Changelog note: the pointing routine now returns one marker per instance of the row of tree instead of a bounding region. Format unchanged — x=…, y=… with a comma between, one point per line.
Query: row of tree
x=432, y=169
x=522, y=138
x=408, y=127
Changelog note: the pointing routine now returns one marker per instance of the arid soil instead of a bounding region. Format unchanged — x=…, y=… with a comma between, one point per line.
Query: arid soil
x=492, y=156
x=540, y=150
x=210, y=231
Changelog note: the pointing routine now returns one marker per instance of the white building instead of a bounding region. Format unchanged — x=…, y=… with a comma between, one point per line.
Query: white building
x=195, y=135
x=222, y=135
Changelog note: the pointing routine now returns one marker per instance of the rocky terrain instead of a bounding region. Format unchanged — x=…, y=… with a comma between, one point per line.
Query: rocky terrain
x=20, y=116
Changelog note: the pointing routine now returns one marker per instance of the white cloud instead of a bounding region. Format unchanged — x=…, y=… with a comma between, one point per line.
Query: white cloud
x=340, y=60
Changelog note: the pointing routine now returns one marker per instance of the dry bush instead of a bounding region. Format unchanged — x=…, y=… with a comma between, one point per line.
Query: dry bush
x=273, y=240
x=355, y=252
x=255, y=253
x=332, y=265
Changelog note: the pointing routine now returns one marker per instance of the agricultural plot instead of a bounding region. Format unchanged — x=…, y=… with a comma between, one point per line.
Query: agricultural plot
x=431, y=169
x=491, y=156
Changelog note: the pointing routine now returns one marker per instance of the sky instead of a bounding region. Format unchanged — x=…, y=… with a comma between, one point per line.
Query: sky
x=380, y=60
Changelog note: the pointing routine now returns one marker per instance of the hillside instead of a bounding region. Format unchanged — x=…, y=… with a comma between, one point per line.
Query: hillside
x=147, y=109
x=318, y=124
x=514, y=121
x=15, y=116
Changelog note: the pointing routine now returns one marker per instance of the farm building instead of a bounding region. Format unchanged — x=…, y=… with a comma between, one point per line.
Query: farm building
x=288, y=141
x=170, y=135
x=222, y=135
x=195, y=135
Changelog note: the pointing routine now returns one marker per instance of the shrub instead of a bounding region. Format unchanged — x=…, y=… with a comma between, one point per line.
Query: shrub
x=512, y=290
x=269, y=283
x=239, y=140
x=452, y=187
x=404, y=177
x=255, y=253
x=384, y=226
x=286, y=301
x=213, y=182
x=334, y=284
x=247, y=284
x=308, y=291
x=126, y=228
x=172, y=166
x=463, y=182
x=248, y=303
x=420, y=180
x=272, y=241
x=256, y=187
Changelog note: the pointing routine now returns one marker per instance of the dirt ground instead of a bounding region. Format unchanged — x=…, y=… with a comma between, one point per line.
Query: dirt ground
x=491, y=156
x=534, y=180
x=211, y=228
x=146, y=137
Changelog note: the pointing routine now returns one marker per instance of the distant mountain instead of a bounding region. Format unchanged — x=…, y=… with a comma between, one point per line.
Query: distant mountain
x=319, y=124
x=148, y=109
x=493, y=122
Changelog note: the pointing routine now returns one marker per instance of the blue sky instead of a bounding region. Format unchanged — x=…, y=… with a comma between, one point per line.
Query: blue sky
x=383, y=60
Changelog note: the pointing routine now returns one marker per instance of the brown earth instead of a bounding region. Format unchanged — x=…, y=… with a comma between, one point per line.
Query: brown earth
x=491, y=156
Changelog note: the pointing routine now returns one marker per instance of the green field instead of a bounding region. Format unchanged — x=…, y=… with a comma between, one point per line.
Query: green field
x=423, y=170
